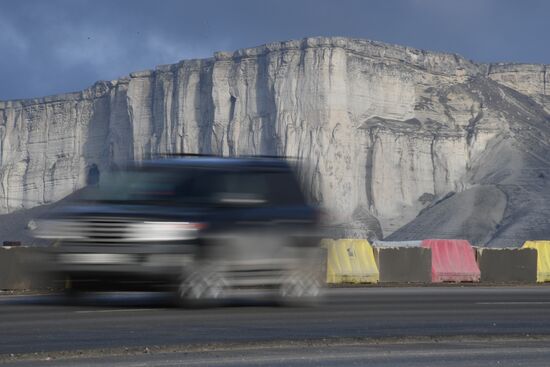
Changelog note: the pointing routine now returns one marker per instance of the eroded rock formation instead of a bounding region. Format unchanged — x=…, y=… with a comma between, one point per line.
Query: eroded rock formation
x=386, y=130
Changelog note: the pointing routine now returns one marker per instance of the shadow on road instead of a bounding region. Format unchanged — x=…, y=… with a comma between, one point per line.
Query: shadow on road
x=129, y=300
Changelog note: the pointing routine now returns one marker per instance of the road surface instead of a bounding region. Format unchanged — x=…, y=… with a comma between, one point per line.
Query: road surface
x=425, y=326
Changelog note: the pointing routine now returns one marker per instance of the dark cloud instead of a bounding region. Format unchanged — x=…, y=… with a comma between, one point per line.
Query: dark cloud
x=58, y=46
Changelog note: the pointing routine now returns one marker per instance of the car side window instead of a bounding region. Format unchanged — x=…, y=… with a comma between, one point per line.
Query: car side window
x=284, y=189
x=242, y=189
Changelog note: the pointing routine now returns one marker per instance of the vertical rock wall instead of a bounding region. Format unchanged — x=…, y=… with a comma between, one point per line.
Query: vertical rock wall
x=385, y=129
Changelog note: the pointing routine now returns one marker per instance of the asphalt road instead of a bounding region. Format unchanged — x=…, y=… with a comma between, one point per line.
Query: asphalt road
x=451, y=326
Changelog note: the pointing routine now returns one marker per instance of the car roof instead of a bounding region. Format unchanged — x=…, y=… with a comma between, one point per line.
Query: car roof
x=218, y=162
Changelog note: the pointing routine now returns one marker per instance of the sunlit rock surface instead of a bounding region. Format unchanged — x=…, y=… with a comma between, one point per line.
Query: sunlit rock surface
x=386, y=131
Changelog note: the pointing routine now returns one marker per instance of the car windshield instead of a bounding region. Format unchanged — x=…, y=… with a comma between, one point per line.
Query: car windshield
x=153, y=186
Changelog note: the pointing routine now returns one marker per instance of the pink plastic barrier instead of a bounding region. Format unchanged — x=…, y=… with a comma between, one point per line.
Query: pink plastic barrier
x=452, y=261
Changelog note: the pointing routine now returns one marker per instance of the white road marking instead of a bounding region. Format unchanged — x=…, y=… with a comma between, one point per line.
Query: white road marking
x=116, y=310
x=514, y=303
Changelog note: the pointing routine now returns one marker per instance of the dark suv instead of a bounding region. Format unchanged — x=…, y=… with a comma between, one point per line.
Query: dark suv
x=201, y=226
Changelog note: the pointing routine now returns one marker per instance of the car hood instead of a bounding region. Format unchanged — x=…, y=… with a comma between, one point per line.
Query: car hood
x=149, y=212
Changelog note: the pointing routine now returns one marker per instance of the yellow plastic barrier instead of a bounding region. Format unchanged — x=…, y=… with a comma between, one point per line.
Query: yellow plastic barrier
x=351, y=261
x=543, y=259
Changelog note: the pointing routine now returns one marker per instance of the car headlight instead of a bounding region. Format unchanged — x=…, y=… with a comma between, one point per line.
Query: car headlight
x=57, y=229
x=164, y=231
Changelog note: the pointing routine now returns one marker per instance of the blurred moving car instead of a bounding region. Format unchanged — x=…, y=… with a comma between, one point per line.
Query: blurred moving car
x=199, y=226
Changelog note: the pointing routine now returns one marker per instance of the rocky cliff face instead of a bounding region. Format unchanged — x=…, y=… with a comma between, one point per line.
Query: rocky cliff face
x=386, y=130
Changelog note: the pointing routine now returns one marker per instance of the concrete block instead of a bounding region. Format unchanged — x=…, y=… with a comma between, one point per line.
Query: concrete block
x=396, y=244
x=508, y=265
x=21, y=268
x=405, y=265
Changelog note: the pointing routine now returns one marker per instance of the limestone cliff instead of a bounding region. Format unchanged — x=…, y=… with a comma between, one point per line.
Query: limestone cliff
x=387, y=130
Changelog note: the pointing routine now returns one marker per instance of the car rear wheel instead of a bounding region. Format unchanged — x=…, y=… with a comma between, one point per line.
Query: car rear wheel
x=300, y=289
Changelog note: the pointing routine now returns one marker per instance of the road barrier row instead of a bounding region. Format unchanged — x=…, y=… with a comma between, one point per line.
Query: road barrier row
x=357, y=261
x=437, y=261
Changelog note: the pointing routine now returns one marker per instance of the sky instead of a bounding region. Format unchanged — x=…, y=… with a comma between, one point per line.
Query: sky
x=58, y=46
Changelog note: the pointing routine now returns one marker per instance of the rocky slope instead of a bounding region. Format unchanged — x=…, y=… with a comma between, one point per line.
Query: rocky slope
x=387, y=131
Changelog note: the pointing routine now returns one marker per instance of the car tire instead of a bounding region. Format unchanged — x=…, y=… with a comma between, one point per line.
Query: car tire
x=300, y=289
x=200, y=288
